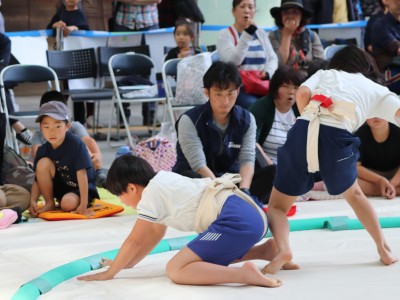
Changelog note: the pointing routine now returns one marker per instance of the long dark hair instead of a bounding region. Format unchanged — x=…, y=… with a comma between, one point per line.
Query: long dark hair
x=352, y=59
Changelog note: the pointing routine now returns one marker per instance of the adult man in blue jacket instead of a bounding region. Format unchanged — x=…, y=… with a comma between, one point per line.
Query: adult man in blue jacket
x=218, y=137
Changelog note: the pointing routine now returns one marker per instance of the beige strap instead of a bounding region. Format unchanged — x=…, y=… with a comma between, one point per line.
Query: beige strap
x=338, y=110
x=215, y=196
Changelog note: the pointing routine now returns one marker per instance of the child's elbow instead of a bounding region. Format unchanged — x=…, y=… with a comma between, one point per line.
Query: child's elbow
x=303, y=93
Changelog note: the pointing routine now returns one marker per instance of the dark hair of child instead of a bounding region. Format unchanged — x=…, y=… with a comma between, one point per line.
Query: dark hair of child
x=316, y=65
x=53, y=96
x=187, y=23
x=352, y=59
x=128, y=169
x=222, y=75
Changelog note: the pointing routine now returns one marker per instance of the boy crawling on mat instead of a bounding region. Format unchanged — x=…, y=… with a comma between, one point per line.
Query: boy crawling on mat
x=229, y=221
x=63, y=167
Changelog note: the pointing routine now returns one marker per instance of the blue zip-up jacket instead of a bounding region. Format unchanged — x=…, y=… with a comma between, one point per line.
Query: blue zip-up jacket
x=221, y=152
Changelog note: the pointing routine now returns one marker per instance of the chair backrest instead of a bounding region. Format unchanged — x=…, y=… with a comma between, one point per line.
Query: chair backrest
x=331, y=50
x=124, y=64
x=15, y=74
x=73, y=64
x=170, y=69
x=105, y=53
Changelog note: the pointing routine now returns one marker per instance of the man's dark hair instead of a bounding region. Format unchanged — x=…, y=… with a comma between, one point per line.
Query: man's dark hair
x=222, y=75
x=128, y=169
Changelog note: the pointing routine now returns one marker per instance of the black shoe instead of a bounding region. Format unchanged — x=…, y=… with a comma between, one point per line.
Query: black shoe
x=101, y=177
x=25, y=136
x=19, y=214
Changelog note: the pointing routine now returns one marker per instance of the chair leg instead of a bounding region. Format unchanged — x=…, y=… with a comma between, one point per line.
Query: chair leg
x=127, y=129
x=155, y=119
x=112, y=111
x=97, y=112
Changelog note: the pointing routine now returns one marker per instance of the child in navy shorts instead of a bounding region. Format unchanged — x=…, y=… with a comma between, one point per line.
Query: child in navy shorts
x=333, y=104
x=230, y=224
x=62, y=165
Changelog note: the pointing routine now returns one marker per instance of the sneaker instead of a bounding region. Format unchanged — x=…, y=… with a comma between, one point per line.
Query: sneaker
x=25, y=136
x=101, y=176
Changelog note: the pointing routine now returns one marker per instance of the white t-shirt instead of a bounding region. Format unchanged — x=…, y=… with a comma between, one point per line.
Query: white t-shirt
x=278, y=134
x=172, y=200
x=371, y=99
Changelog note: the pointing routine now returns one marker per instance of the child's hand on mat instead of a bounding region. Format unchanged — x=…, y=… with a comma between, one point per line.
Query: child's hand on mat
x=32, y=209
x=96, y=277
x=83, y=210
x=105, y=262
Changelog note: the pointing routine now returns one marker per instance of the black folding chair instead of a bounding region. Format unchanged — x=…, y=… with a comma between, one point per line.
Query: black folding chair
x=105, y=53
x=129, y=64
x=80, y=64
x=16, y=74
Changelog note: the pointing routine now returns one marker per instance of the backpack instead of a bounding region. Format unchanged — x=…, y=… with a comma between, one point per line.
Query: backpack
x=15, y=170
x=158, y=152
x=189, y=82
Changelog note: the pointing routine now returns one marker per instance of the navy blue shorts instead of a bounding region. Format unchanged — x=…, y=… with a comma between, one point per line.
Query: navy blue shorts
x=337, y=152
x=237, y=228
x=60, y=189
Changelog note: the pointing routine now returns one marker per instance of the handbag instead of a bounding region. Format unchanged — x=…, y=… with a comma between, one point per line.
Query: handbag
x=158, y=152
x=251, y=79
x=253, y=84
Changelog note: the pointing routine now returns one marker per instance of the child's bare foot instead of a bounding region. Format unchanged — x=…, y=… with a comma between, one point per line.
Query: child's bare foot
x=281, y=260
x=253, y=276
x=386, y=255
x=290, y=266
x=270, y=251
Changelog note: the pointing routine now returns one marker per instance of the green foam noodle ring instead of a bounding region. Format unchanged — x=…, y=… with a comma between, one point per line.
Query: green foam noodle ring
x=32, y=289
x=45, y=282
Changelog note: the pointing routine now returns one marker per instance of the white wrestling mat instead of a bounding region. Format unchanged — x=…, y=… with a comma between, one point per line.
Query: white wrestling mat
x=334, y=264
